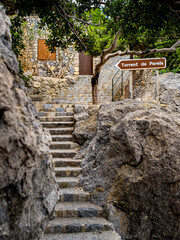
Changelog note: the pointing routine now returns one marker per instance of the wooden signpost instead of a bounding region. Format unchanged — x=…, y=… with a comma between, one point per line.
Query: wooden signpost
x=140, y=64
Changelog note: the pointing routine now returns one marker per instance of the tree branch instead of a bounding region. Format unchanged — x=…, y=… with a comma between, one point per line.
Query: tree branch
x=131, y=53
x=81, y=20
x=69, y=23
x=113, y=44
x=106, y=52
x=176, y=44
x=144, y=53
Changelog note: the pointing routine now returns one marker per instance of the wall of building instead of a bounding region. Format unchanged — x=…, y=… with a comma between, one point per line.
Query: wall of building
x=30, y=60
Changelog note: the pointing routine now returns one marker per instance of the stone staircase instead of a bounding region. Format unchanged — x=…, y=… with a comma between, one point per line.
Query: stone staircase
x=76, y=218
x=81, y=92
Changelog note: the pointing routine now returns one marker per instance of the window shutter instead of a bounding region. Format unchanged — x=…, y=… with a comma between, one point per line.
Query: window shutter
x=43, y=52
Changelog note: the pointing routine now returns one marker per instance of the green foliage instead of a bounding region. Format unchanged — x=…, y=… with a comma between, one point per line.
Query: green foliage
x=96, y=38
x=27, y=79
x=173, y=59
x=61, y=34
x=18, y=45
x=142, y=21
x=144, y=24
x=17, y=35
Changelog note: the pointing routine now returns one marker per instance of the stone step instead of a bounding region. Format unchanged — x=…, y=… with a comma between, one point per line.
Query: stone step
x=54, y=114
x=57, y=119
x=38, y=97
x=66, y=162
x=68, y=171
x=60, y=138
x=82, y=100
x=78, y=94
x=72, y=93
x=53, y=104
x=77, y=209
x=57, y=124
x=64, y=145
x=52, y=108
x=69, y=101
x=67, y=182
x=105, y=235
x=64, y=225
x=63, y=153
x=73, y=195
x=48, y=104
x=58, y=131
x=75, y=97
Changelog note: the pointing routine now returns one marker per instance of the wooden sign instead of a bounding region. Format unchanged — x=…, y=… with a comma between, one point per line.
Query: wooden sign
x=137, y=64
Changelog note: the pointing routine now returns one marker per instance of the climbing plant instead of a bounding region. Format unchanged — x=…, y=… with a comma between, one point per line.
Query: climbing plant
x=18, y=45
x=17, y=35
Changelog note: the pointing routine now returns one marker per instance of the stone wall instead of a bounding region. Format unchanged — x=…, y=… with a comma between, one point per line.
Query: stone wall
x=30, y=60
x=169, y=91
x=28, y=192
x=131, y=166
x=49, y=86
x=31, y=36
x=70, y=64
x=139, y=85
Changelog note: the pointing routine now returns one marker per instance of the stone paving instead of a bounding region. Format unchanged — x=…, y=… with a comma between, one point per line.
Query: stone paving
x=76, y=218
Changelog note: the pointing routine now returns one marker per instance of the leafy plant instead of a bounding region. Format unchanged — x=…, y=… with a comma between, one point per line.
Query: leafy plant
x=18, y=44
x=172, y=59
x=17, y=35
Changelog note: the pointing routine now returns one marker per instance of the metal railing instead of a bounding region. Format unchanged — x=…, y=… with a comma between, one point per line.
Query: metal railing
x=118, y=81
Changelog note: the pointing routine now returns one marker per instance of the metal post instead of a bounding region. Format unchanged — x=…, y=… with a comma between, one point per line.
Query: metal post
x=157, y=85
x=131, y=85
x=113, y=89
x=122, y=85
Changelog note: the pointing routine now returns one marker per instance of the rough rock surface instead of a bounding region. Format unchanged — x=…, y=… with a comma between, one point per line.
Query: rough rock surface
x=132, y=167
x=85, y=122
x=49, y=85
x=27, y=188
x=169, y=90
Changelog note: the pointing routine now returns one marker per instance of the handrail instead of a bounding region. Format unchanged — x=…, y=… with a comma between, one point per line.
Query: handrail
x=115, y=74
x=120, y=83
x=121, y=77
x=113, y=84
x=118, y=78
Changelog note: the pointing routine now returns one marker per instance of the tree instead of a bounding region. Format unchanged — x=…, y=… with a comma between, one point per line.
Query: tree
x=139, y=26
x=106, y=28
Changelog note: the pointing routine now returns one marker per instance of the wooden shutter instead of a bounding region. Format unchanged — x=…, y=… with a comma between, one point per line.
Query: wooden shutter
x=43, y=52
x=85, y=64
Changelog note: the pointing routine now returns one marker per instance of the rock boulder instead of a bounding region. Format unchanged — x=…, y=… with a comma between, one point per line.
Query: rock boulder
x=28, y=192
x=132, y=168
x=85, y=122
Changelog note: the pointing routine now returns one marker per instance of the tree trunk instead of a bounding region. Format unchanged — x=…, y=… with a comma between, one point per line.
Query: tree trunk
x=95, y=94
x=94, y=82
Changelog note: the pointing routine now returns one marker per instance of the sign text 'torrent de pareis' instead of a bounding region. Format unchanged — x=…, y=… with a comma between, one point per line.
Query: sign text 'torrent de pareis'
x=137, y=64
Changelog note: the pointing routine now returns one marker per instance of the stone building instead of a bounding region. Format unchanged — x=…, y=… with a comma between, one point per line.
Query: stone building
x=36, y=55
x=38, y=61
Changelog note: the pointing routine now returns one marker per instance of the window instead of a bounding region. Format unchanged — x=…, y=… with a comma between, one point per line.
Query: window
x=43, y=52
